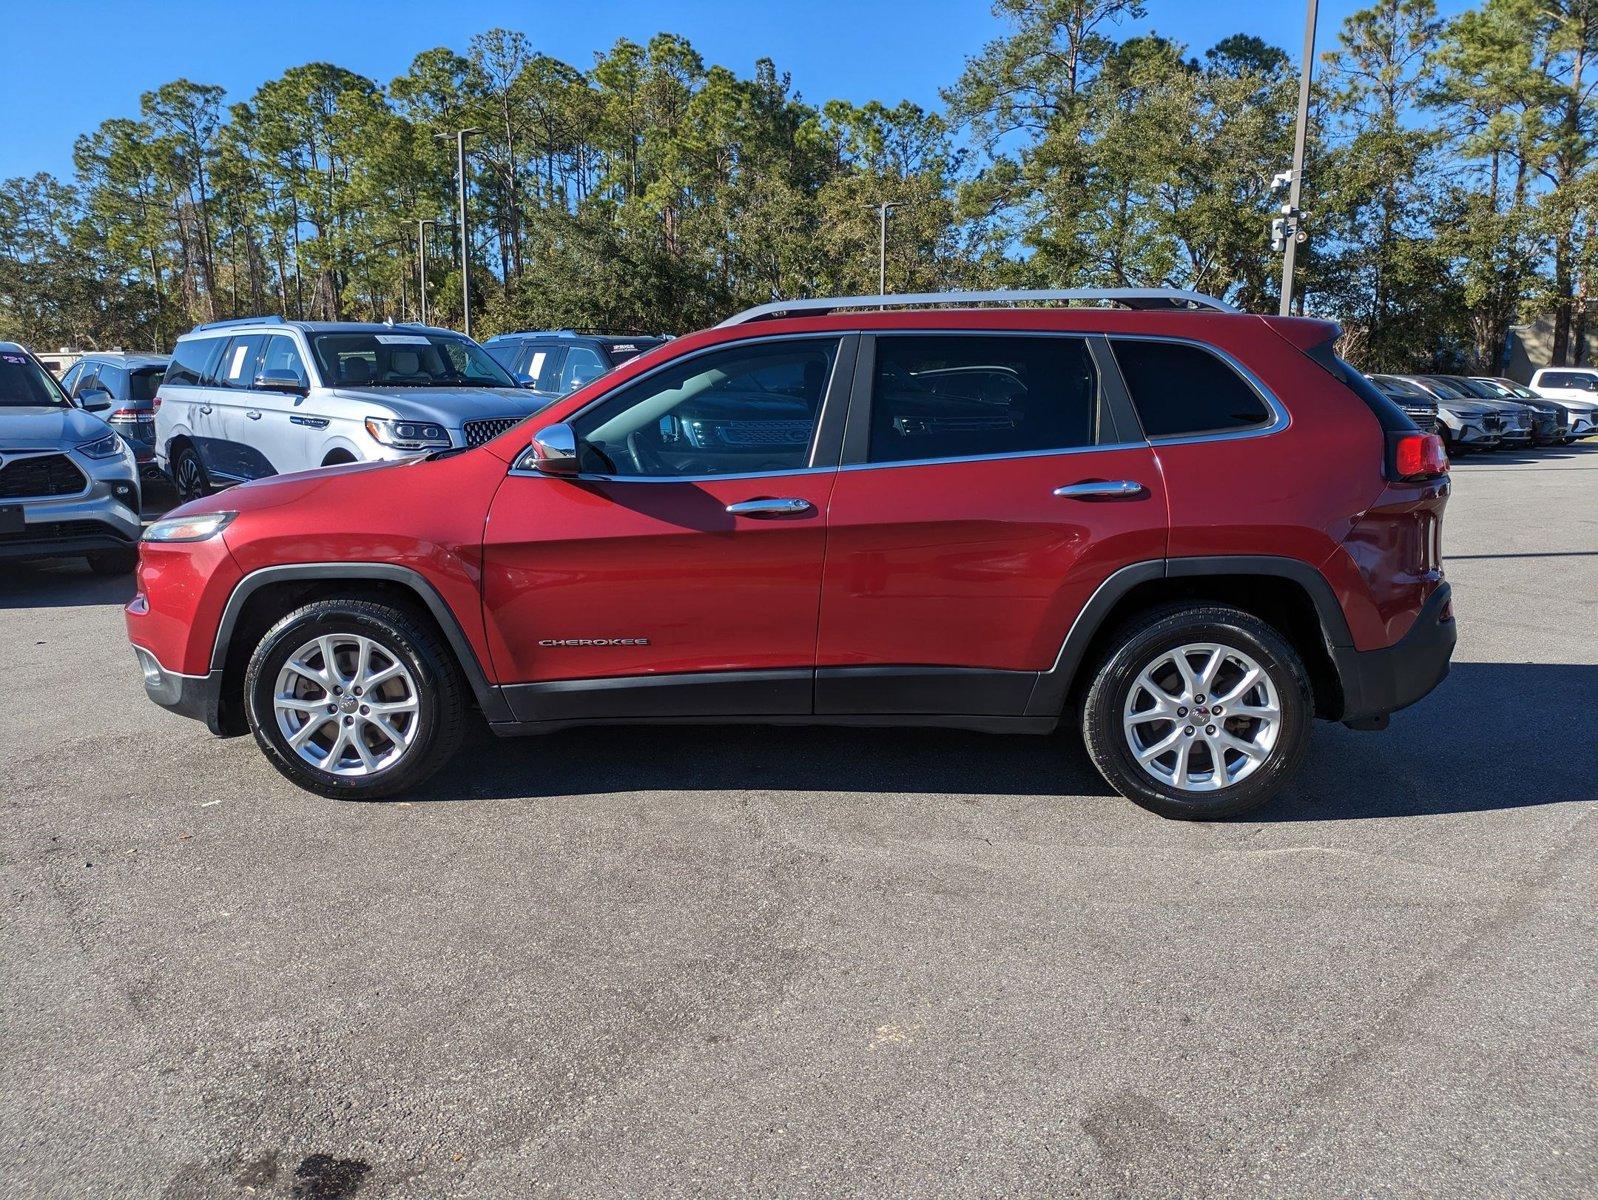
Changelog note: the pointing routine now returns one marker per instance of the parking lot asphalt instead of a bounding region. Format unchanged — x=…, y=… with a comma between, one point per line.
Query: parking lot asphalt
x=815, y=962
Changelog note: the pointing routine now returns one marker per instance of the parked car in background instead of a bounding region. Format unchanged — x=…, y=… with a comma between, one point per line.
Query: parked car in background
x=69, y=486
x=999, y=519
x=1512, y=424
x=557, y=362
x=1582, y=414
x=129, y=381
x=1566, y=383
x=1549, y=422
x=263, y=396
x=1463, y=423
x=1417, y=405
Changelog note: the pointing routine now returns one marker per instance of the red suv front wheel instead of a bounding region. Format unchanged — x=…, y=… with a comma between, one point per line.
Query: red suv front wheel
x=354, y=698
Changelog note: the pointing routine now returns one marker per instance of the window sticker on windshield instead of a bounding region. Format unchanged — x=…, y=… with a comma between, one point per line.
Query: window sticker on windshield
x=403, y=339
x=624, y=347
x=16, y=358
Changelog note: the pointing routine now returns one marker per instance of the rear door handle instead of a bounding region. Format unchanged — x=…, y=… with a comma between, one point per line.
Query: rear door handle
x=1103, y=489
x=253, y=414
x=769, y=508
x=205, y=410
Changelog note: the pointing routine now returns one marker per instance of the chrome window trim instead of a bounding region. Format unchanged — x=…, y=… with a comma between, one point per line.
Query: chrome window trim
x=965, y=458
x=836, y=336
x=1280, y=418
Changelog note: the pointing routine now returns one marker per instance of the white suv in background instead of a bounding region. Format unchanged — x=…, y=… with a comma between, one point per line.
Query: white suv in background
x=1577, y=389
x=263, y=396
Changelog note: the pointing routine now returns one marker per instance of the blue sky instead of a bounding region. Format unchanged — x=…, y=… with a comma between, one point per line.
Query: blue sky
x=855, y=49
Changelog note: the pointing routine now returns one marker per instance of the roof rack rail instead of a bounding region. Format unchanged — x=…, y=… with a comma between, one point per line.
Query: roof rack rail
x=1138, y=298
x=238, y=321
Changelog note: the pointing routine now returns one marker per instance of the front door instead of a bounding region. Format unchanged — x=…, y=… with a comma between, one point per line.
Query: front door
x=681, y=572
x=986, y=491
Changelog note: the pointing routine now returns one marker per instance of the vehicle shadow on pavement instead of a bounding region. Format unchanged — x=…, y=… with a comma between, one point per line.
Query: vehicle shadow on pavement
x=1480, y=742
x=67, y=583
x=1492, y=736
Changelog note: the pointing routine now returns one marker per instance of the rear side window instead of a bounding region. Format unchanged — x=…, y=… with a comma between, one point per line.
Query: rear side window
x=114, y=380
x=1180, y=390
x=965, y=396
x=238, y=366
x=192, y=361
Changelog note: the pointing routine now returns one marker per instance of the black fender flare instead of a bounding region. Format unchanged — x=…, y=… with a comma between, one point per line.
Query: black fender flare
x=1054, y=685
x=488, y=696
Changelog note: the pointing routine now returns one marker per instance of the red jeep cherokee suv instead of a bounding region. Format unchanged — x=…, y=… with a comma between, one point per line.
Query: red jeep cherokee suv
x=1189, y=528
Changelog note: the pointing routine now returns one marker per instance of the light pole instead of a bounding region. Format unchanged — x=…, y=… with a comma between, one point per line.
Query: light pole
x=422, y=226
x=1299, y=137
x=460, y=136
x=883, y=209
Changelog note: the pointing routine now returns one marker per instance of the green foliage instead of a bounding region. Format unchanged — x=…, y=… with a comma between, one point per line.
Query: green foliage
x=1449, y=185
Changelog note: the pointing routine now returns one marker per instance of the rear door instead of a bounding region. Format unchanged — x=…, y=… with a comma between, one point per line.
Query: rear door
x=681, y=572
x=988, y=487
x=242, y=450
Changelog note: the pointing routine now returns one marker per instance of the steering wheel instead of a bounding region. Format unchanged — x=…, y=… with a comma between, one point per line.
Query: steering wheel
x=643, y=455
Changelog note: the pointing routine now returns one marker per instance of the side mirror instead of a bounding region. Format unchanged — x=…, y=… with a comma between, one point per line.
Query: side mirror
x=279, y=381
x=553, y=452
x=94, y=399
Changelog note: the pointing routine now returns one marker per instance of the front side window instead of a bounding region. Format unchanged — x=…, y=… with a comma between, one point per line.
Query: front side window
x=281, y=356
x=112, y=379
x=86, y=381
x=25, y=384
x=359, y=359
x=583, y=366
x=746, y=410
x=968, y=396
x=1181, y=389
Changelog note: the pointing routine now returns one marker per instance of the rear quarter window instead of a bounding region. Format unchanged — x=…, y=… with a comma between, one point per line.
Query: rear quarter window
x=192, y=361
x=1181, y=390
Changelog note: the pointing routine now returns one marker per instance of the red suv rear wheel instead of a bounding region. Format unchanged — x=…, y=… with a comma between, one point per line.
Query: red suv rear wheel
x=1198, y=712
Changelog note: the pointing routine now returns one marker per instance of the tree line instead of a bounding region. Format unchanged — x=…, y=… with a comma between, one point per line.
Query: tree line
x=1450, y=184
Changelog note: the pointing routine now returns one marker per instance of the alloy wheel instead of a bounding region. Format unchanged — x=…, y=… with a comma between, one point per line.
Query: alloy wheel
x=1202, y=717
x=190, y=478
x=347, y=705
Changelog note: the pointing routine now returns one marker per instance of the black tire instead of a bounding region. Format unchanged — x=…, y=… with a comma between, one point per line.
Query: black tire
x=113, y=562
x=1136, y=647
x=405, y=638
x=189, y=477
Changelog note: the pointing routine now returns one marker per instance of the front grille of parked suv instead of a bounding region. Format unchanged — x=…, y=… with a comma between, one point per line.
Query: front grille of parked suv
x=41, y=475
x=1425, y=418
x=486, y=430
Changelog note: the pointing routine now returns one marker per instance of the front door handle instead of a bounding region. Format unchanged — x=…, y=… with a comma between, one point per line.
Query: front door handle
x=769, y=508
x=253, y=414
x=205, y=410
x=1103, y=489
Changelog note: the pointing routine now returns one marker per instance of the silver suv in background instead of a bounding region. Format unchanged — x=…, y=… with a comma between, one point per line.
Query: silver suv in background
x=68, y=484
x=263, y=396
x=557, y=362
x=129, y=383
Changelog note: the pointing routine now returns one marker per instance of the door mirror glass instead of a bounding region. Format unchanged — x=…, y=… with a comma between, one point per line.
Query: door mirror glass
x=553, y=452
x=279, y=381
x=94, y=399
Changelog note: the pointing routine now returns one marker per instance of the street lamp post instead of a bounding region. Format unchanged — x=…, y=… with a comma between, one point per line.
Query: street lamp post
x=883, y=209
x=460, y=136
x=422, y=226
x=1300, y=135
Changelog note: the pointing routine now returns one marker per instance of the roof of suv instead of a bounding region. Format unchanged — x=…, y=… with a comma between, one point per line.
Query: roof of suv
x=128, y=358
x=246, y=323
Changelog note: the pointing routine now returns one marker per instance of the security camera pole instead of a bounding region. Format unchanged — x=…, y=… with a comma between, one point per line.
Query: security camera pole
x=460, y=136
x=1291, y=210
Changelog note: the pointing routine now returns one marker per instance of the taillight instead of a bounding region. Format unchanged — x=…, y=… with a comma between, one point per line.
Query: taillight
x=1416, y=456
x=156, y=403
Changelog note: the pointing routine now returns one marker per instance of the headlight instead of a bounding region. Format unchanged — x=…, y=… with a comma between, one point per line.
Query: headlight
x=408, y=435
x=107, y=447
x=189, y=529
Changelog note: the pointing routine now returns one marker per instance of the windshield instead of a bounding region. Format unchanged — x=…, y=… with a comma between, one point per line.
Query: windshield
x=25, y=384
x=405, y=360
